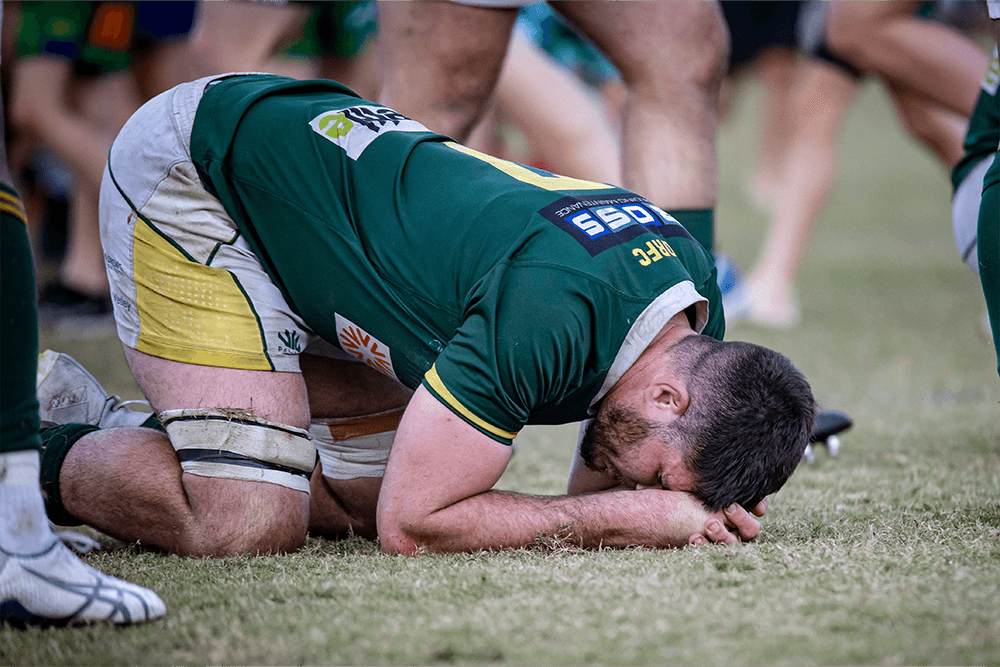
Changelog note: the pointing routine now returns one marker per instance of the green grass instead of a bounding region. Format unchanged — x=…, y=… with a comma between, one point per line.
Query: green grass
x=887, y=554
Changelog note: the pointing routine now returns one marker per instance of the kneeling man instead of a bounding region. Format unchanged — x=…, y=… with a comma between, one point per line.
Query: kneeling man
x=248, y=219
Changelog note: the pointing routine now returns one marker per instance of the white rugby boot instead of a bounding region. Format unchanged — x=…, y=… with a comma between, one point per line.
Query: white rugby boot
x=68, y=394
x=41, y=581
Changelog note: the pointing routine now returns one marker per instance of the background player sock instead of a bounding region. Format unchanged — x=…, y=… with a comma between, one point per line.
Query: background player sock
x=19, y=410
x=153, y=422
x=700, y=222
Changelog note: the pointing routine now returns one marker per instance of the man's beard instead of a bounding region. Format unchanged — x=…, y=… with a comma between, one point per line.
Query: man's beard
x=614, y=430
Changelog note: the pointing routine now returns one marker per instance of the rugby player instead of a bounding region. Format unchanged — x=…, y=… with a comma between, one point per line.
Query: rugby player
x=292, y=266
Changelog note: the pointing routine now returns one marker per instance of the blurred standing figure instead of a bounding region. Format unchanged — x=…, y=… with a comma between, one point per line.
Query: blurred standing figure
x=931, y=109
x=764, y=44
x=968, y=176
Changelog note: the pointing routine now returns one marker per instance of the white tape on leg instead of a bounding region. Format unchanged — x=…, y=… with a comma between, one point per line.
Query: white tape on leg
x=238, y=445
x=356, y=446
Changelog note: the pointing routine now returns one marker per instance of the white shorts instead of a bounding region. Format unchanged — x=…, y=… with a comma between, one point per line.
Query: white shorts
x=184, y=282
x=965, y=212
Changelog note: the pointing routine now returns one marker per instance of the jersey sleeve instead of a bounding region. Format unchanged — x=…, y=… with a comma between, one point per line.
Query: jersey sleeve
x=526, y=344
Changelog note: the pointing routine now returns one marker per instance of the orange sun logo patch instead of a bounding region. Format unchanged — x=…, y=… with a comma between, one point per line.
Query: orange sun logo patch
x=366, y=347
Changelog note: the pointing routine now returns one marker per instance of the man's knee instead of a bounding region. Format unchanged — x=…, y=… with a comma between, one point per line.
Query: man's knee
x=129, y=483
x=234, y=517
x=233, y=444
x=241, y=471
x=443, y=61
x=852, y=28
x=665, y=49
x=255, y=474
x=699, y=61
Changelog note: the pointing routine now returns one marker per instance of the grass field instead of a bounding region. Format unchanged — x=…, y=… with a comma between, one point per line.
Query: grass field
x=887, y=554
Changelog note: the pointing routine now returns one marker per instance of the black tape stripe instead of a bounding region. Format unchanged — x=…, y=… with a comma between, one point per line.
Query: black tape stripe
x=232, y=458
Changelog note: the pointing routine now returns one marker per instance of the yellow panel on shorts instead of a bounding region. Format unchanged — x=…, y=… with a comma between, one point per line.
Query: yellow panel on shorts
x=192, y=313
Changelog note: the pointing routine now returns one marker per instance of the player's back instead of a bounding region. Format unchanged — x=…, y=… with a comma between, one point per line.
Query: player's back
x=360, y=213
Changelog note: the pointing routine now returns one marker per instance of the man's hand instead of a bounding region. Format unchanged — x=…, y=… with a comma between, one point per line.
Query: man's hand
x=731, y=526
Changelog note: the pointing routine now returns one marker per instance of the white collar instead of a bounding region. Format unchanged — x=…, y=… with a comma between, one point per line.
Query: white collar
x=650, y=322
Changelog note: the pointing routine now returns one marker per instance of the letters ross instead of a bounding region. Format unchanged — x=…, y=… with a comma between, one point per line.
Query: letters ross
x=603, y=221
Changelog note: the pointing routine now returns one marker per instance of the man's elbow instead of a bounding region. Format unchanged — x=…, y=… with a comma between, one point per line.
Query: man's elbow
x=397, y=534
x=415, y=534
x=397, y=545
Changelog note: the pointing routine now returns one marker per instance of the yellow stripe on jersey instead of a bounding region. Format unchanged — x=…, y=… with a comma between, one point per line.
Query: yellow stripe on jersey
x=192, y=313
x=434, y=380
x=551, y=182
x=11, y=205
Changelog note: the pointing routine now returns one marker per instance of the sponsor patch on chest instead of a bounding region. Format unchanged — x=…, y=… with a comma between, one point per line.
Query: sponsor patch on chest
x=355, y=128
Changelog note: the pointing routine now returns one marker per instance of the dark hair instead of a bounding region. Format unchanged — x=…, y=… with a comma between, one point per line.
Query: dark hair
x=750, y=416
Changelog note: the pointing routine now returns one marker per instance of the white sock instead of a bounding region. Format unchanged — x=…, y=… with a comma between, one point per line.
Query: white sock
x=24, y=526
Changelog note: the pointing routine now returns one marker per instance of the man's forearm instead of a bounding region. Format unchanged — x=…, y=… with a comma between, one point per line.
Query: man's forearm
x=437, y=497
x=506, y=520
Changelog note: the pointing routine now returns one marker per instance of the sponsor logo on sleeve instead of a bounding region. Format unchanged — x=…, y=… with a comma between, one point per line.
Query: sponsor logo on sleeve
x=600, y=222
x=355, y=128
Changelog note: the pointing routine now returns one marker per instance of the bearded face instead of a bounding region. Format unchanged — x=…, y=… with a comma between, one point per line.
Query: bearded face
x=615, y=431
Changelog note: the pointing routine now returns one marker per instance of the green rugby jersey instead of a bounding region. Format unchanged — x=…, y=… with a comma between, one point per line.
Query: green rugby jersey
x=983, y=134
x=514, y=295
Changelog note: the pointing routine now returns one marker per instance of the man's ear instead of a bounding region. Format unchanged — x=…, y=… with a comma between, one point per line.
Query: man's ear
x=670, y=395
